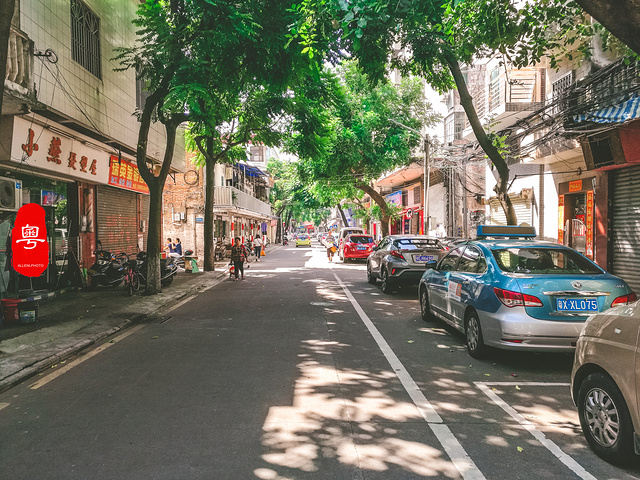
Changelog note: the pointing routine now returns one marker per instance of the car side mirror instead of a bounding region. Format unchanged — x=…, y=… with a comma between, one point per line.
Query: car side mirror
x=432, y=264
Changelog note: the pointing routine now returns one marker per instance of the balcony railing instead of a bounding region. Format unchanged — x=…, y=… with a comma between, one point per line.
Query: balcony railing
x=230, y=197
x=20, y=61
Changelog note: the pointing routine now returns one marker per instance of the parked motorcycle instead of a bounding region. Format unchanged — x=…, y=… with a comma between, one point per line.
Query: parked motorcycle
x=108, y=270
x=285, y=240
x=181, y=260
x=168, y=269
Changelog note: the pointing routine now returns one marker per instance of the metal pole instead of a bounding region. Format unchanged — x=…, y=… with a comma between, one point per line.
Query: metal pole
x=427, y=174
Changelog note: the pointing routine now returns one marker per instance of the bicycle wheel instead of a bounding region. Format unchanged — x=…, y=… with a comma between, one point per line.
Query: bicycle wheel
x=135, y=281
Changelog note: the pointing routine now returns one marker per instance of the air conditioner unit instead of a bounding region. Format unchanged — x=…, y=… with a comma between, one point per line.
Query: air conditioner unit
x=10, y=194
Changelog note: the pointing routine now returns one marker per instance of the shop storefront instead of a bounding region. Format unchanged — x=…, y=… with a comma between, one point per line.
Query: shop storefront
x=624, y=213
x=576, y=210
x=78, y=183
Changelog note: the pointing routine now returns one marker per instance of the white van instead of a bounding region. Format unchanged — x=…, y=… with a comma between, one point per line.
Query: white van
x=344, y=232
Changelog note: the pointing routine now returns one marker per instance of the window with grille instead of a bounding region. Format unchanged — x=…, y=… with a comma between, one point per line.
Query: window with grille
x=85, y=37
x=416, y=195
x=257, y=153
x=494, y=90
x=560, y=89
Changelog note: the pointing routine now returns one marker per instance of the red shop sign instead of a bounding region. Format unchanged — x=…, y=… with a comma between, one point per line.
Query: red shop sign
x=29, y=246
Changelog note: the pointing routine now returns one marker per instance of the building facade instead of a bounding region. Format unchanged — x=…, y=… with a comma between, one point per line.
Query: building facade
x=68, y=135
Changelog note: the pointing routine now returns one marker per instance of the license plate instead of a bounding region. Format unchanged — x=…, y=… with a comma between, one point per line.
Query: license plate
x=577, y=304
x=423, y=258
x=361, y=248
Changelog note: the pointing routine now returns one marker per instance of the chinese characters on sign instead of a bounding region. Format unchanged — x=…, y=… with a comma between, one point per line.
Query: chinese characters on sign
x=575, y=186
x=46, y=149
x=589, y=222
x=125, y=175
x=561, y=219
x=29, y=246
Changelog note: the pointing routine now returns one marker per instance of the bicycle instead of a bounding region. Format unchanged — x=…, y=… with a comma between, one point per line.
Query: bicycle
x=131, y=275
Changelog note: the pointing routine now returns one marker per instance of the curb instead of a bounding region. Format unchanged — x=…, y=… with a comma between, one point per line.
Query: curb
x=41, y=364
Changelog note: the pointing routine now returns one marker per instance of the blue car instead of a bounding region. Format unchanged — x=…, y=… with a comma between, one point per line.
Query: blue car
x=509, y=291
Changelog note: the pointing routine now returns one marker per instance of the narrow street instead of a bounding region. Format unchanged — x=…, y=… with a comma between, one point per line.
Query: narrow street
x=301, y=371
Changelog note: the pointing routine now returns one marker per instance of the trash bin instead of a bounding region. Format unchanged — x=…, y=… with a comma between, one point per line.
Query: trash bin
x=28, y=312
x=10, y=309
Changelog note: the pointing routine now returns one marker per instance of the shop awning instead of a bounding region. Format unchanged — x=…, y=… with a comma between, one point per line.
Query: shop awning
x=250, y=170
x=619, y=113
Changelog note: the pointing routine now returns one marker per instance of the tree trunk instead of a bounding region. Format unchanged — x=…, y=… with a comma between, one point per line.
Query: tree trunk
x=279, y=233
x=7, y=8
x=620, y=17
x=154, y=240
x=209, y=244
x=381, y=202
x=466, y=100
x=345, y=222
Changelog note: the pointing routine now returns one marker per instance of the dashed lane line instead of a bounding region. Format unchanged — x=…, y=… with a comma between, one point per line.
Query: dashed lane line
x=574, y=466
x=53, y=375
x=459, y=457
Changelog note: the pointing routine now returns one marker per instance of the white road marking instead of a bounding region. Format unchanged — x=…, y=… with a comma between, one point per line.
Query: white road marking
x=179, y=304
x=52, y=376
x=459, y=457
x=4, y=405
x=574, y=466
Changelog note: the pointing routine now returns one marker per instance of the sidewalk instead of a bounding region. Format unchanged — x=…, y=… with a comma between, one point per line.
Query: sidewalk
x=74, y=320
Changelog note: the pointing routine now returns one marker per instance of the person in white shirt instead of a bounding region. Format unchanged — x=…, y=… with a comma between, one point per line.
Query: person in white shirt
x=257, y=246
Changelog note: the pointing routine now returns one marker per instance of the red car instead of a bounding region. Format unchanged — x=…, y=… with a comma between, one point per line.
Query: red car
x=357, y=246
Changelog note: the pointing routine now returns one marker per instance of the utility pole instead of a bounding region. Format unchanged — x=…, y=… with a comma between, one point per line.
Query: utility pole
x=426, y=219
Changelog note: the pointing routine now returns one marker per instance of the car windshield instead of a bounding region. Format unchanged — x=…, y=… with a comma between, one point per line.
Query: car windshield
x=360, y=239
x=417, y=243
x=543, y=261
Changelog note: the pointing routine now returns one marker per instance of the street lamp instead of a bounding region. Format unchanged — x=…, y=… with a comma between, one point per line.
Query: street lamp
x=426, y=219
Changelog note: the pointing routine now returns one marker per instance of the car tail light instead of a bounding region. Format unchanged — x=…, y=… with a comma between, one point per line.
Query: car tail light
x=625, y=299
x=397, y=254
x=516, y=299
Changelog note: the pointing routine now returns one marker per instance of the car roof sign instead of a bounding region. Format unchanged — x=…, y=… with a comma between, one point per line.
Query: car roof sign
x=505, y=231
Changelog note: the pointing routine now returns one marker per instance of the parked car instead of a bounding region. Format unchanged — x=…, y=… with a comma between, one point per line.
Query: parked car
x=303, y=240
x=357, y=247
x=401, y=259
x=343, y=233
x=517, y=293
x=604, y=382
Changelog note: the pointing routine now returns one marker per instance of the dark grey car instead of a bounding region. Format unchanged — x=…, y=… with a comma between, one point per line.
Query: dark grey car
x=401, y=259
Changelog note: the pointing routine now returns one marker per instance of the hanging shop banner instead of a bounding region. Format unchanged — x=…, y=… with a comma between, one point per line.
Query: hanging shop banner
x=395, y=198
x=29, y=246
x=41, y=147
x=561, y=219
x=589, y=224
x=124, y=174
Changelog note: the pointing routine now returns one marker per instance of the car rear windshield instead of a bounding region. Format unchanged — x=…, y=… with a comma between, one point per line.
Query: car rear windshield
x=417, y=243
x=303, y=237
x=543, y=261
x=360, y=239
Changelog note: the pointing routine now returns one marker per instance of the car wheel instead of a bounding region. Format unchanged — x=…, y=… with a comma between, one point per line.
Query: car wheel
x=387, y=287
x=370, y=278
x=605, y=418
x=475, y=340
x=425, y=311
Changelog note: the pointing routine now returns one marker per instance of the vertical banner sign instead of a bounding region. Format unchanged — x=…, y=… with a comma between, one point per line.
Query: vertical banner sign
x=589, y=225
x=561, y=219
x=29, y=246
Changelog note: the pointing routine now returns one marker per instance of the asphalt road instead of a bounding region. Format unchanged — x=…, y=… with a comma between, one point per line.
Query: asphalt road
x=301, y=371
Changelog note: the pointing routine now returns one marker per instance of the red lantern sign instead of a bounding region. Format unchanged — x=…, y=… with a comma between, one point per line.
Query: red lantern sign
x=29, y=246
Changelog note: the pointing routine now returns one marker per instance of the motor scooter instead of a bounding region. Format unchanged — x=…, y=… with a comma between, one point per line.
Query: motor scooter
x=180, y=261
x=285, y=240
x=108, y=269
x=168, y=269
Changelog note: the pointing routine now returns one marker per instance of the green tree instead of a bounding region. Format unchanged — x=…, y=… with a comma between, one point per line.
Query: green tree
x=434, y=38
x=204, y=61
x=366, y=138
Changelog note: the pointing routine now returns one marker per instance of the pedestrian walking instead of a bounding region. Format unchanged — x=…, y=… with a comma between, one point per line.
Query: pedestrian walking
x=330, y=243
x=238, y=257
x=257, y=247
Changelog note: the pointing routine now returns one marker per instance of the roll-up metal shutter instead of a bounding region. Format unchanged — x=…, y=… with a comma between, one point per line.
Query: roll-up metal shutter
x=625, y=226
x=117, y=219
x=145, y=218
x=522, y=206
